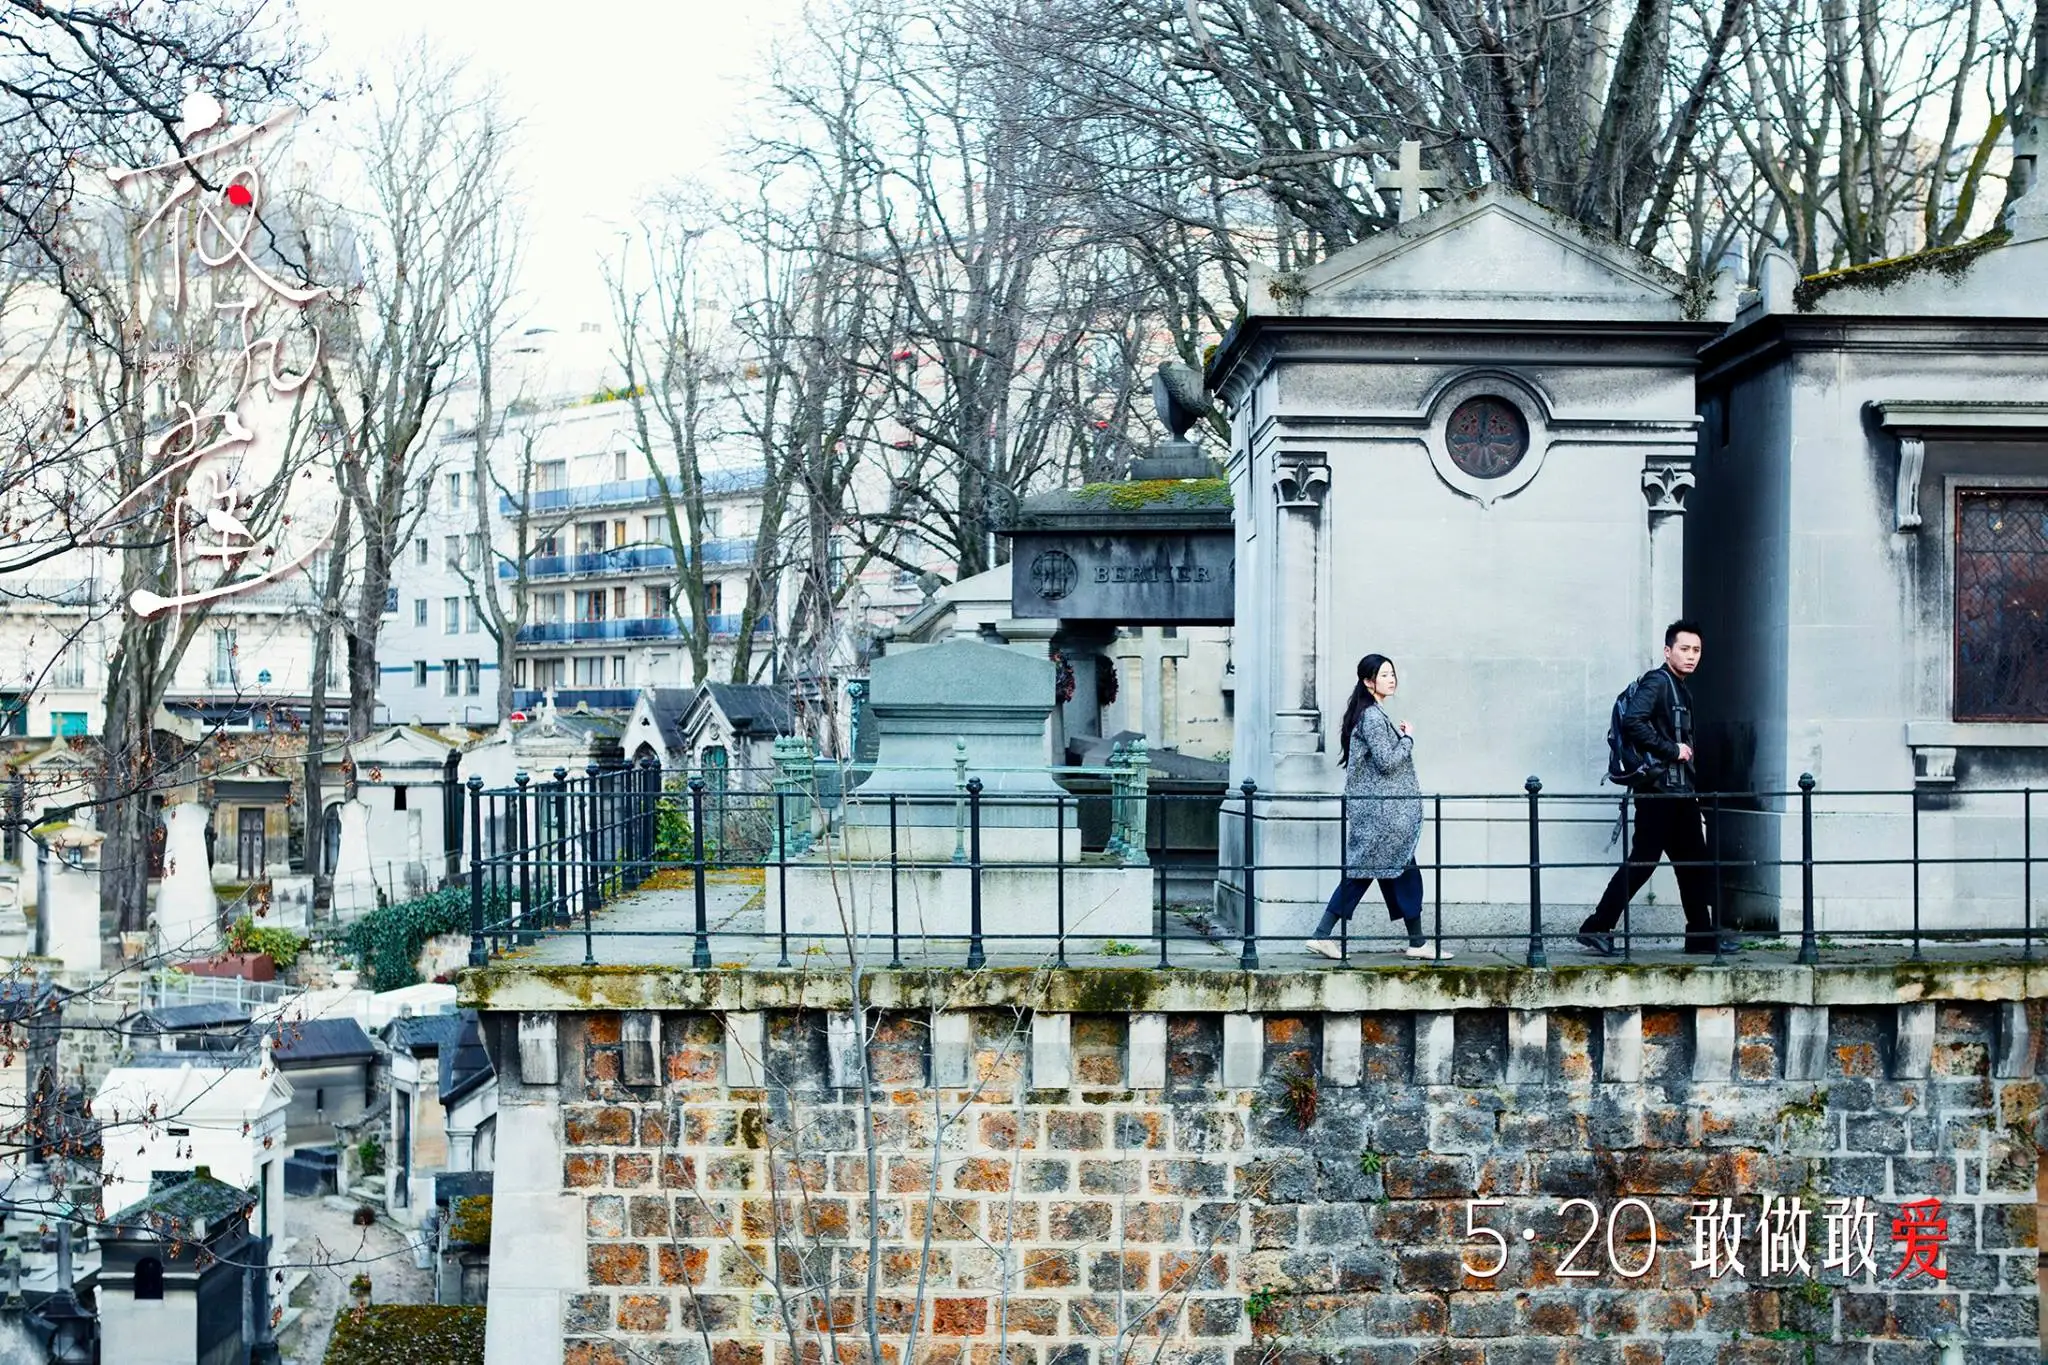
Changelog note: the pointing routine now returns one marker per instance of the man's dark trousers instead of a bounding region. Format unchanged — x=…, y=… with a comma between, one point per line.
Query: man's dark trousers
x=1666, y=826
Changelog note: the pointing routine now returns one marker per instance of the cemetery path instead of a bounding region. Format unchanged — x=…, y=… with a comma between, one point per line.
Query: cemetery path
x=331, y=1251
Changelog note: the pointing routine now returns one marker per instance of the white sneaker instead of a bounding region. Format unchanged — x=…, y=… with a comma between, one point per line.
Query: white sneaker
x=1429, y=952
x=1326, y=948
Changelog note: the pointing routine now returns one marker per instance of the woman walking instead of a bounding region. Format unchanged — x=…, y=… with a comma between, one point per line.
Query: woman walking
x=1383, y=808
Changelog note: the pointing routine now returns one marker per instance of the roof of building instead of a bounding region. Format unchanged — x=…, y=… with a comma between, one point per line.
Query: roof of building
x=203, y=1091
x=450, y=1186
x=753, y=709
x=172, y=1018
x=25, y=996
x=186, y=1209
x=321, y=1040
x=468, y=1065
x=668, y=705
x=420, y=1034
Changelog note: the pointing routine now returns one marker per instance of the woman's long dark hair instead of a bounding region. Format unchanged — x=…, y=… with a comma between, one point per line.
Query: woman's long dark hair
x=1361, y=697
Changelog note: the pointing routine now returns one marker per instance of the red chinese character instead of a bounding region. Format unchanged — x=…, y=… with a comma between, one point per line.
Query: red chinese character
x=1924, y=1231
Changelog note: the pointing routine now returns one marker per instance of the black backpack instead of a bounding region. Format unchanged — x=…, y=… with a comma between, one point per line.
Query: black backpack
x=1628, y=766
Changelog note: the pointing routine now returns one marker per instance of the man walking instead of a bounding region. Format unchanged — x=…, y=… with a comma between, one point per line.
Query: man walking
x=1656, y=735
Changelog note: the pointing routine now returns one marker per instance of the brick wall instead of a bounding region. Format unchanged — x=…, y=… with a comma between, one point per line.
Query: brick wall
x=1221, y=1188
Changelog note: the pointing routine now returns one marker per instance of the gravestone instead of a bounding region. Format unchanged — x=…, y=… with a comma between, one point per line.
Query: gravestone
x=943, y=714
x=1464, y=443
x=355, y=880
x=187, y=911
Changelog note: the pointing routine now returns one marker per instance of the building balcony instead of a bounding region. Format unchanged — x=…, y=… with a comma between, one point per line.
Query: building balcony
x=626, y=492
x=567, y=698
x=626, y=628
x=631, y=559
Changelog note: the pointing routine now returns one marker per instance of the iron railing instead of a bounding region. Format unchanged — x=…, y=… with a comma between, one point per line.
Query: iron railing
x=545, y=856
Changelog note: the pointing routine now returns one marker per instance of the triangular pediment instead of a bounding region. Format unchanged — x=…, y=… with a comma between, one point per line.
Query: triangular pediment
x=1488, y=255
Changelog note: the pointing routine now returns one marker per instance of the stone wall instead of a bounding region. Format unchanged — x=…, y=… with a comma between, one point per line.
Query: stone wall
x=1224, y=1187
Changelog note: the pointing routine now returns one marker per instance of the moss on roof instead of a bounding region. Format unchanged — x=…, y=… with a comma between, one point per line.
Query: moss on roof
x=1947, y=261
x=1161, y=494
x=407, y=1334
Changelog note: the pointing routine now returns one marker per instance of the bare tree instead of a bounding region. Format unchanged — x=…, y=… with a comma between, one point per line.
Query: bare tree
x=434, y=164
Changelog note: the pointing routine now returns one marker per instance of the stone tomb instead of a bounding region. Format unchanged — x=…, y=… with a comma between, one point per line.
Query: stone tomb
x=945, y=713
x=1464, y=443
x=1869, y=557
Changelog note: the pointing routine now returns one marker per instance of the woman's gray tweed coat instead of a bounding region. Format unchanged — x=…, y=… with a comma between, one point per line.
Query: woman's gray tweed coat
x=1381, y=830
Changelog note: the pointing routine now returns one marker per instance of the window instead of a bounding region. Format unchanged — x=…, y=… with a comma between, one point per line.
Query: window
x=2001, y=605
x=451, y=551
x=391, y=601
x=658, y=599
x=618, y=533
x=590, y=605
x=714, y=522
x=590, y=672
x=419, y=550
x=550, y=475
x=619, y=464
x=398, y=798
x=454, y=486
x=419, y=672
x=13, y=714
x=655, y=530
x=472, y=676
x=714, y=598
x=547, y=607
x=69, y=671
x=519, y=673
x=549, y=545
x=472, y=621
x=67, y=723
x=419, y=611
x=451, y=677
x=590, y=537
x=149, y=1279
x=618, y=602
x=476, y=550
x=451, y=616
x=618, y=670
x=223, y=659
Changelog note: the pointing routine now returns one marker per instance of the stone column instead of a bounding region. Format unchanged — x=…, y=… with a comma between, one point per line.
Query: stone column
x=1665, y=486
x=1300, y=485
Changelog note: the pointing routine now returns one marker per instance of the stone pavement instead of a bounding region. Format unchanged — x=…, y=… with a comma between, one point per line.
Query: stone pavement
x=656, y=928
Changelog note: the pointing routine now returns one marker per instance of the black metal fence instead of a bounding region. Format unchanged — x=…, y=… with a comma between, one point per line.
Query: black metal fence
x=545, y=856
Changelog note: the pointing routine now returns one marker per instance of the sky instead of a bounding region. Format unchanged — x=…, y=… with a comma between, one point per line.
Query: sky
x=615, y=100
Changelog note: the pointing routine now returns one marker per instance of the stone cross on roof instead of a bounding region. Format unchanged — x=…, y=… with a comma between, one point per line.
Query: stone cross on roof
x=1409, y=180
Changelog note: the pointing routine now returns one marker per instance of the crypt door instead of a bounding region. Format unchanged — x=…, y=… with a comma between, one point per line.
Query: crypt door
x=249, y=851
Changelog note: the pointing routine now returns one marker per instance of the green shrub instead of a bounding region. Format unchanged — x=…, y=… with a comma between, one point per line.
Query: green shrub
x=283, y=946
x=386, y=943
x=370, y=1156
x=413, y=1333
x=672, y=842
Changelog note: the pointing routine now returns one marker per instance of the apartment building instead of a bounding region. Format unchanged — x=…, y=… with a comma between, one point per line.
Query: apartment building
x=598, y=572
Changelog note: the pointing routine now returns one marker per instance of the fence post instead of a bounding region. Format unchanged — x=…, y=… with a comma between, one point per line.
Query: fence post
x=700, y=951
x=650, y=818
x=523, y=850
x=1537, y=957
x=1119, y=769
x=1137, y=796
x=1248, y=956
x=591, y=889
x=895, y=893
x=782, y=867
x=975, y=956
x=560, y=799
x=1809, y=946
x=477, y=956
x=2027, y=873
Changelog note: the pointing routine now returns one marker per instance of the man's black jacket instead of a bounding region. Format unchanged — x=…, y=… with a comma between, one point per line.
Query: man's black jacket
x=1657, y=719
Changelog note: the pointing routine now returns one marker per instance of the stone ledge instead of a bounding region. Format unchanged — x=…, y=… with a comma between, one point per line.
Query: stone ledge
x=1123, y=990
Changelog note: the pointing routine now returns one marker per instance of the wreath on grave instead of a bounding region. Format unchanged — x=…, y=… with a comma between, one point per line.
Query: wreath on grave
x=1063, y=678
x=1105, y=682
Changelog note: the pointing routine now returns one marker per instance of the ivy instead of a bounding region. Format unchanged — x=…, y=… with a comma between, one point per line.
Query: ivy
x=408, y=1334
x=471, y=1225
x=386, y=943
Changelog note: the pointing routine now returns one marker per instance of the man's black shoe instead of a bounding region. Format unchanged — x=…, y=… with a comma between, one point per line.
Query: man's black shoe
x=1602, y=944
x=1705, y=945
